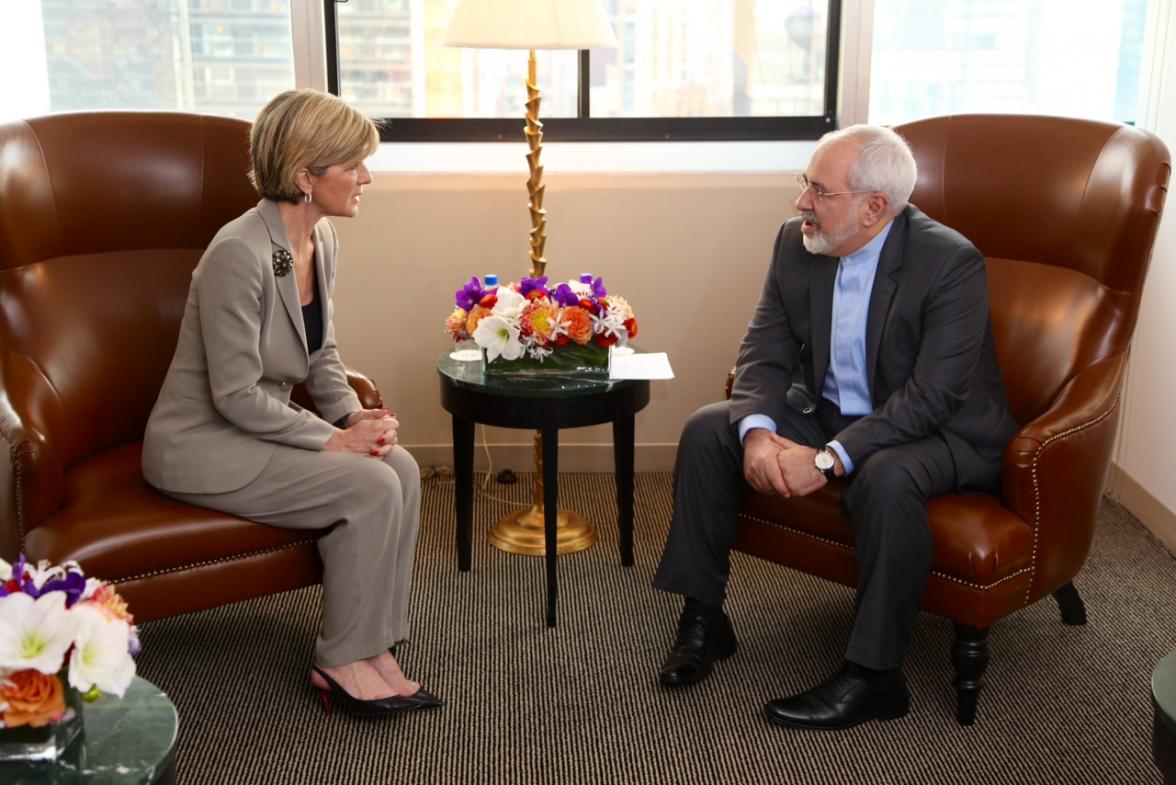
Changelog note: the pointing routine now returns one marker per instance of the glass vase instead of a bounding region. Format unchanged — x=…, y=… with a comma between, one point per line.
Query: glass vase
x=48, y=742
x=574, y=360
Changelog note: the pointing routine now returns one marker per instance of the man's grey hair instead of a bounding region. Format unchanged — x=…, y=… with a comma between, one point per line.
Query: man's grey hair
x=885, y=163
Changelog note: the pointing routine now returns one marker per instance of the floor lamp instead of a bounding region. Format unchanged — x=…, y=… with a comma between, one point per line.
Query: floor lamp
x=531, y=25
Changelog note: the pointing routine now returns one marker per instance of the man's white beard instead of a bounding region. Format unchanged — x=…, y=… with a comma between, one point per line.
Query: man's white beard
x=822, y=242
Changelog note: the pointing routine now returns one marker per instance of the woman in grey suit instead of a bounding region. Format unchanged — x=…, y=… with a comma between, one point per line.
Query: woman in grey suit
x=224, y=433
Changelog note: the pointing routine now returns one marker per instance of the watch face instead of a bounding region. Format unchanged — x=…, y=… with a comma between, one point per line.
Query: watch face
x=824, y=460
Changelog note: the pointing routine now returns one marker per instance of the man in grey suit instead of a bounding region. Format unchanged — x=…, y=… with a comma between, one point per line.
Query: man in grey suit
x=869, y=354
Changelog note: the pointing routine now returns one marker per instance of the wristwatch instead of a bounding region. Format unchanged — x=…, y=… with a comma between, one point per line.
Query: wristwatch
x=824, y=462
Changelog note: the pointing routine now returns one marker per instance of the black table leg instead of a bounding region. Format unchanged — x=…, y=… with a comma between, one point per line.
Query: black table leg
x=463, y=482
x=550, y=513
x=623, y=437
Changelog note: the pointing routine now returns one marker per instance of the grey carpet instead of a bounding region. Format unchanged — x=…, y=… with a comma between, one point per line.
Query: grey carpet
x=580, y=703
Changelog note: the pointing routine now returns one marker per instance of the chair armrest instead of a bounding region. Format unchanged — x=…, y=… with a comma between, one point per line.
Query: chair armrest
x=32, y=475
x=1055, y=469
x=365, y=388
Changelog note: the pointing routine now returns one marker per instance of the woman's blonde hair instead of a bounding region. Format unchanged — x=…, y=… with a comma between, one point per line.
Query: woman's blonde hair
x=305, y=129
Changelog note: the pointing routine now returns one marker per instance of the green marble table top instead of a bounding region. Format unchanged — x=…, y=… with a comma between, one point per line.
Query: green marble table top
x=123, y=742
x=1164, y=691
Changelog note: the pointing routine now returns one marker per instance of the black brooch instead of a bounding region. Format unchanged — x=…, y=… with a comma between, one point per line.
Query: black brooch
x=283, y=262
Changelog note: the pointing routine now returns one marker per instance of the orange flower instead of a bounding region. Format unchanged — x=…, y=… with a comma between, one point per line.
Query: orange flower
x=107, y=600
x=578, y=324
x=631, y=326
x=477, y=313
x=33, y=699
x=455, y=324
x=538, y=319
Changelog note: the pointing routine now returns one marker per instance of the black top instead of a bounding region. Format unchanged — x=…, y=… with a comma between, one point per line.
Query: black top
x=312, y=320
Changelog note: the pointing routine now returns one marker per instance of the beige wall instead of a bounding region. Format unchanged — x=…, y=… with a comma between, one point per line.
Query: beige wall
x=689, y=252
x=1145, y=460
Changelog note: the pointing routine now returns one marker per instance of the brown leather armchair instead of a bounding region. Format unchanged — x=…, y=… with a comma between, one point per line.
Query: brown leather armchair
x=1065, y=211
x=103, y=216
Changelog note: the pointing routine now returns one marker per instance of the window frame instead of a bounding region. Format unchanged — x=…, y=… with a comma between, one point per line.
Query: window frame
x=585, y=128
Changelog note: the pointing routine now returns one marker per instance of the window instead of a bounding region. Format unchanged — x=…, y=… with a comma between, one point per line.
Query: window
x=683, y=69
x=215, y=56
x=1076, y=58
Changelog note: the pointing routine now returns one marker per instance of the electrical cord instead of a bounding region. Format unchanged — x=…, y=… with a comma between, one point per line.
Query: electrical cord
x=445, y=473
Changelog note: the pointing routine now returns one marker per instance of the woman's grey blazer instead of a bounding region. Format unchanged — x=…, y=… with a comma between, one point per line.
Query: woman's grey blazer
x=225, y=404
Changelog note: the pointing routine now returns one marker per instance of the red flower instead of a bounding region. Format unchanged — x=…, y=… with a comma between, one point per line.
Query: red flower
x=561, y=340
x=489, y=301
x=590, y=306
x=605, y=340
x=631, y=326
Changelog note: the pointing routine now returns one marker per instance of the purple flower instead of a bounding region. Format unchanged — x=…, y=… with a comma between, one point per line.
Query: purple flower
x=598, y=289
x=73, y=584
x=565, y=296
x=23, y=580
x=528, y=285
x=469, y=295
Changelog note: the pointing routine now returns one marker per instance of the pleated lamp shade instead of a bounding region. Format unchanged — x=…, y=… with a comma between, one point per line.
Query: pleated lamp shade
x=530, y=24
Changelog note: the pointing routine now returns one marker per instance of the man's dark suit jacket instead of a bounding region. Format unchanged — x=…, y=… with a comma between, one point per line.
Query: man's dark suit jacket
x=929, y=351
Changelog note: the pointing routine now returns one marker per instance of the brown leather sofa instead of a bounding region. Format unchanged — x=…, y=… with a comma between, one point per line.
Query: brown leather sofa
x=103, y=216
x=1065, y=211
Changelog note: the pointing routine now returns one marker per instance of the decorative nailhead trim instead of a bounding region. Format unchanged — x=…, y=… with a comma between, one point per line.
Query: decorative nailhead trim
x=845, y=547
x=1037, y=484
x=982, y=586
x=18, y=490
x=211, y=562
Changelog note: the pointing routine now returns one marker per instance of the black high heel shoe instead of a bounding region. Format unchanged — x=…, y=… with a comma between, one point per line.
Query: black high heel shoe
x=424, y=698
x=335, y=695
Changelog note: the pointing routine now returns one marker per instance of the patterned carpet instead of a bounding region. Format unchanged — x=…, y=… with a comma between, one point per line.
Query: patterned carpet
x=580, y=703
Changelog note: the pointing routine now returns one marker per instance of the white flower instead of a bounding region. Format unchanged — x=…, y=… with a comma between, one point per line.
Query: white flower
x=100, y=657
x=43, y=571
x=537, y=352
x=582, y=290
x=498, y=337
x=92, y=585
x=35, y=633
x=611, y=324
x=510, y=303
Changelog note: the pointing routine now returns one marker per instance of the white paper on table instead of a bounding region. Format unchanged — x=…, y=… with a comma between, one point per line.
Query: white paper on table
x=654, y=365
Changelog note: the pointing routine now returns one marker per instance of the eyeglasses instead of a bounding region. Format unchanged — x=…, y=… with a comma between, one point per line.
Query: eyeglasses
x=819, y=193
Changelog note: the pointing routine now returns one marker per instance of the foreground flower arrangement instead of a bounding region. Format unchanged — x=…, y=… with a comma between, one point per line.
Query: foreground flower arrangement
x=59, y=629
x=530, y=320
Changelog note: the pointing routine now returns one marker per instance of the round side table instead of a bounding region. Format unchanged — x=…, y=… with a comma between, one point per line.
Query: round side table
x=1164, y=703
x=131, y=741
x=545, y=403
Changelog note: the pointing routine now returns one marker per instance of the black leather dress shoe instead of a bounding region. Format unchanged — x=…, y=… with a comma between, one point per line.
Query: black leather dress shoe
x=704, y=635
x=849, y=697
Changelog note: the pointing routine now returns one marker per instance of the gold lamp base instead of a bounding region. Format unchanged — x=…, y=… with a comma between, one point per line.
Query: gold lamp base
x=522, y=532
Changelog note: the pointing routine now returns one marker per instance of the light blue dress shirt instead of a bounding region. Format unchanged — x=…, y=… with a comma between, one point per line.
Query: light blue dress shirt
x=846, y=383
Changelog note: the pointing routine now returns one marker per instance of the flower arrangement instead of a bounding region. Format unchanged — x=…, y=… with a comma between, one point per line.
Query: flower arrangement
x=531, y=320
x=59, y=629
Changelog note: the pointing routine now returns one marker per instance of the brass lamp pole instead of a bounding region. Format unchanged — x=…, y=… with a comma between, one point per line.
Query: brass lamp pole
x=535, y=187
x=531, y=25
